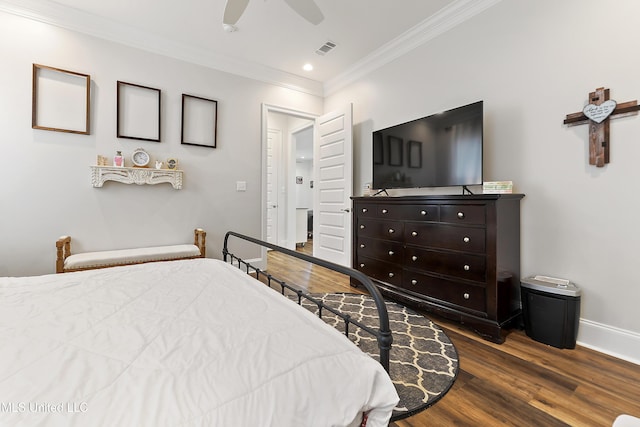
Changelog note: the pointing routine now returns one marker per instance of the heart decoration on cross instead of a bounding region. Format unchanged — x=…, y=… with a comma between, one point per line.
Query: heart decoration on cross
x=598, y=113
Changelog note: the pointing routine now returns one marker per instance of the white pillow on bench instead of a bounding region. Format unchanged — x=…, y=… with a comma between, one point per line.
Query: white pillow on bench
x=130, y=256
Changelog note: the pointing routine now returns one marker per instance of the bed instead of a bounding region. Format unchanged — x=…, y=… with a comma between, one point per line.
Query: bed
x=191, y=343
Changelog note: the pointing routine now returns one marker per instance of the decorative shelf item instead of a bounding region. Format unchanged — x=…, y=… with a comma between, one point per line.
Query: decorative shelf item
x=139, y=176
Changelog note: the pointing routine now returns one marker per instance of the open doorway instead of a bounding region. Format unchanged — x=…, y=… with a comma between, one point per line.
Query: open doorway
x=287, y=177
x=303, y=143
x=333, y=179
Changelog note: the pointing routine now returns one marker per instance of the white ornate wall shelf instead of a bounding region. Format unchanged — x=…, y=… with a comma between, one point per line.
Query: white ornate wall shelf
x=140, y=176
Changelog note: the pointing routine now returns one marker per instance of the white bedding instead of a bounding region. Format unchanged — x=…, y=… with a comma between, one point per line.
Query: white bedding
x=179, y=343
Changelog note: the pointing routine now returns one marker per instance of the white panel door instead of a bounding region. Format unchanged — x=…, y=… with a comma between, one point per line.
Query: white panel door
x=274, y=142
x=333, y=171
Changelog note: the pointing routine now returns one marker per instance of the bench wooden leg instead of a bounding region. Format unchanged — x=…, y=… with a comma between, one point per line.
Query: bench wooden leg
x=63, y=250
x=200, y=238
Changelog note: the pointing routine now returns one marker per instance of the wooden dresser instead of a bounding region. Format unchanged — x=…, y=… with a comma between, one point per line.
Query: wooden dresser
x=458, y=256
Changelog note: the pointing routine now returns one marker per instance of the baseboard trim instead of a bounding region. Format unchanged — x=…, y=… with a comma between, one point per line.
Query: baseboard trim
x=610, y=340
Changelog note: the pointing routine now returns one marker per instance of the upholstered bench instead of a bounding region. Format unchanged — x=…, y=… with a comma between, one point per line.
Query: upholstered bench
x=66, y=262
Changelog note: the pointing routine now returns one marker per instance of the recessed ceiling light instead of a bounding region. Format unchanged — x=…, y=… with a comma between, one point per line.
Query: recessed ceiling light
x=307, y=67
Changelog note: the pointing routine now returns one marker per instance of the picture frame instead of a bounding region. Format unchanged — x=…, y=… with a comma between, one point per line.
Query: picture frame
x=199, y=121
x=138, y=112
x=298, y=180
x=61, y=100
x=395, y=150
x=172, y=163
x=414, y=154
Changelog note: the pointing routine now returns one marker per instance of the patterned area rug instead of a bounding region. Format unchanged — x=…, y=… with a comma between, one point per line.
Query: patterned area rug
x=423, y=361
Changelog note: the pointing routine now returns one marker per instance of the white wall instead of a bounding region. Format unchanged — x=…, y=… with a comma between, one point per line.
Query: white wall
x=533, y=63
x=45, y=188
x=304, y=192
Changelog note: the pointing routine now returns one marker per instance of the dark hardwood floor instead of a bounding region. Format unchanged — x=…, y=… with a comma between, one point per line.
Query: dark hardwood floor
x=518, y=383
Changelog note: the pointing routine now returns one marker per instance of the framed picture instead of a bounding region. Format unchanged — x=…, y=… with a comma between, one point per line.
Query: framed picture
x=298, y=180
x=414, y=154
x=172, y=163
x=138, y=115
x=395, y=151
x=199, y=121
x=60, y=100
x=378, y=149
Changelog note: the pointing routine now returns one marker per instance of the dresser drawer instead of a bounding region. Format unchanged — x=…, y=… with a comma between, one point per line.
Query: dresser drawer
x=462, y=265
x=382, y=211
x=463, y=214
x=421, y=212
x=445, y=236
x=448, y=291
x=380, y=229
x=383, y=250
x=383, y=271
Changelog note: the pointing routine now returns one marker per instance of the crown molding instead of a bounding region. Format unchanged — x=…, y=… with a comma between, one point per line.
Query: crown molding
x=447, y=18
x=72, y=19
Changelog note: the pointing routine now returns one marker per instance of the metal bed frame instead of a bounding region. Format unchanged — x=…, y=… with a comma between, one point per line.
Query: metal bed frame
x=382, y=334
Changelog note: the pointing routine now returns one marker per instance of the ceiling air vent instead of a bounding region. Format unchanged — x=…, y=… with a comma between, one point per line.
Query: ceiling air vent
x=326, y=48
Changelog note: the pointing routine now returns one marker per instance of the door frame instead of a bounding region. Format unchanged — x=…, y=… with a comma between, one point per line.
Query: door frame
x=276, y=155
x=266, y=109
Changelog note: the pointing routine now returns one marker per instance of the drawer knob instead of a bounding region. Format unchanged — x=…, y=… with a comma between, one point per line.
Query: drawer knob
x=466, y=267
x=414, y=233
x=414, y=258
x=361, y=226
x=391, y=231
x=414, y=282
x=362, y=245
x=466, y=239
x=466, y=295
x=391, y=274
x=384, y=211
x=461, y=215
x=364, y=210
x=391, y=253
x=362, y=265
x=423, y=213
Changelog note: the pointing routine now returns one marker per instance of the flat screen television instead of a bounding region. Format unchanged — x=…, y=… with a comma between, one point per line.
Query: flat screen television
x=440, y=150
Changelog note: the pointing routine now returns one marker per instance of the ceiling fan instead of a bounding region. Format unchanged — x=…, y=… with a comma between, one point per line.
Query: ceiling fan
x=308, y=9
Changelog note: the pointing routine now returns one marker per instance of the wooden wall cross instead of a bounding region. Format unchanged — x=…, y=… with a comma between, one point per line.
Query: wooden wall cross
x=598, y=112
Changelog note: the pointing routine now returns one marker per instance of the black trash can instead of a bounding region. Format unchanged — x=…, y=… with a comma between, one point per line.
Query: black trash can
x=551, y=310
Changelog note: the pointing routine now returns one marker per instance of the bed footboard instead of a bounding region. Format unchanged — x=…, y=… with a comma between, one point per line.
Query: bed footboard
x=382, y=334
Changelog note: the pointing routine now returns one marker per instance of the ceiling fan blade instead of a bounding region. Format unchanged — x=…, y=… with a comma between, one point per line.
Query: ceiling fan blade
x=233, y=10
x=308, y=9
